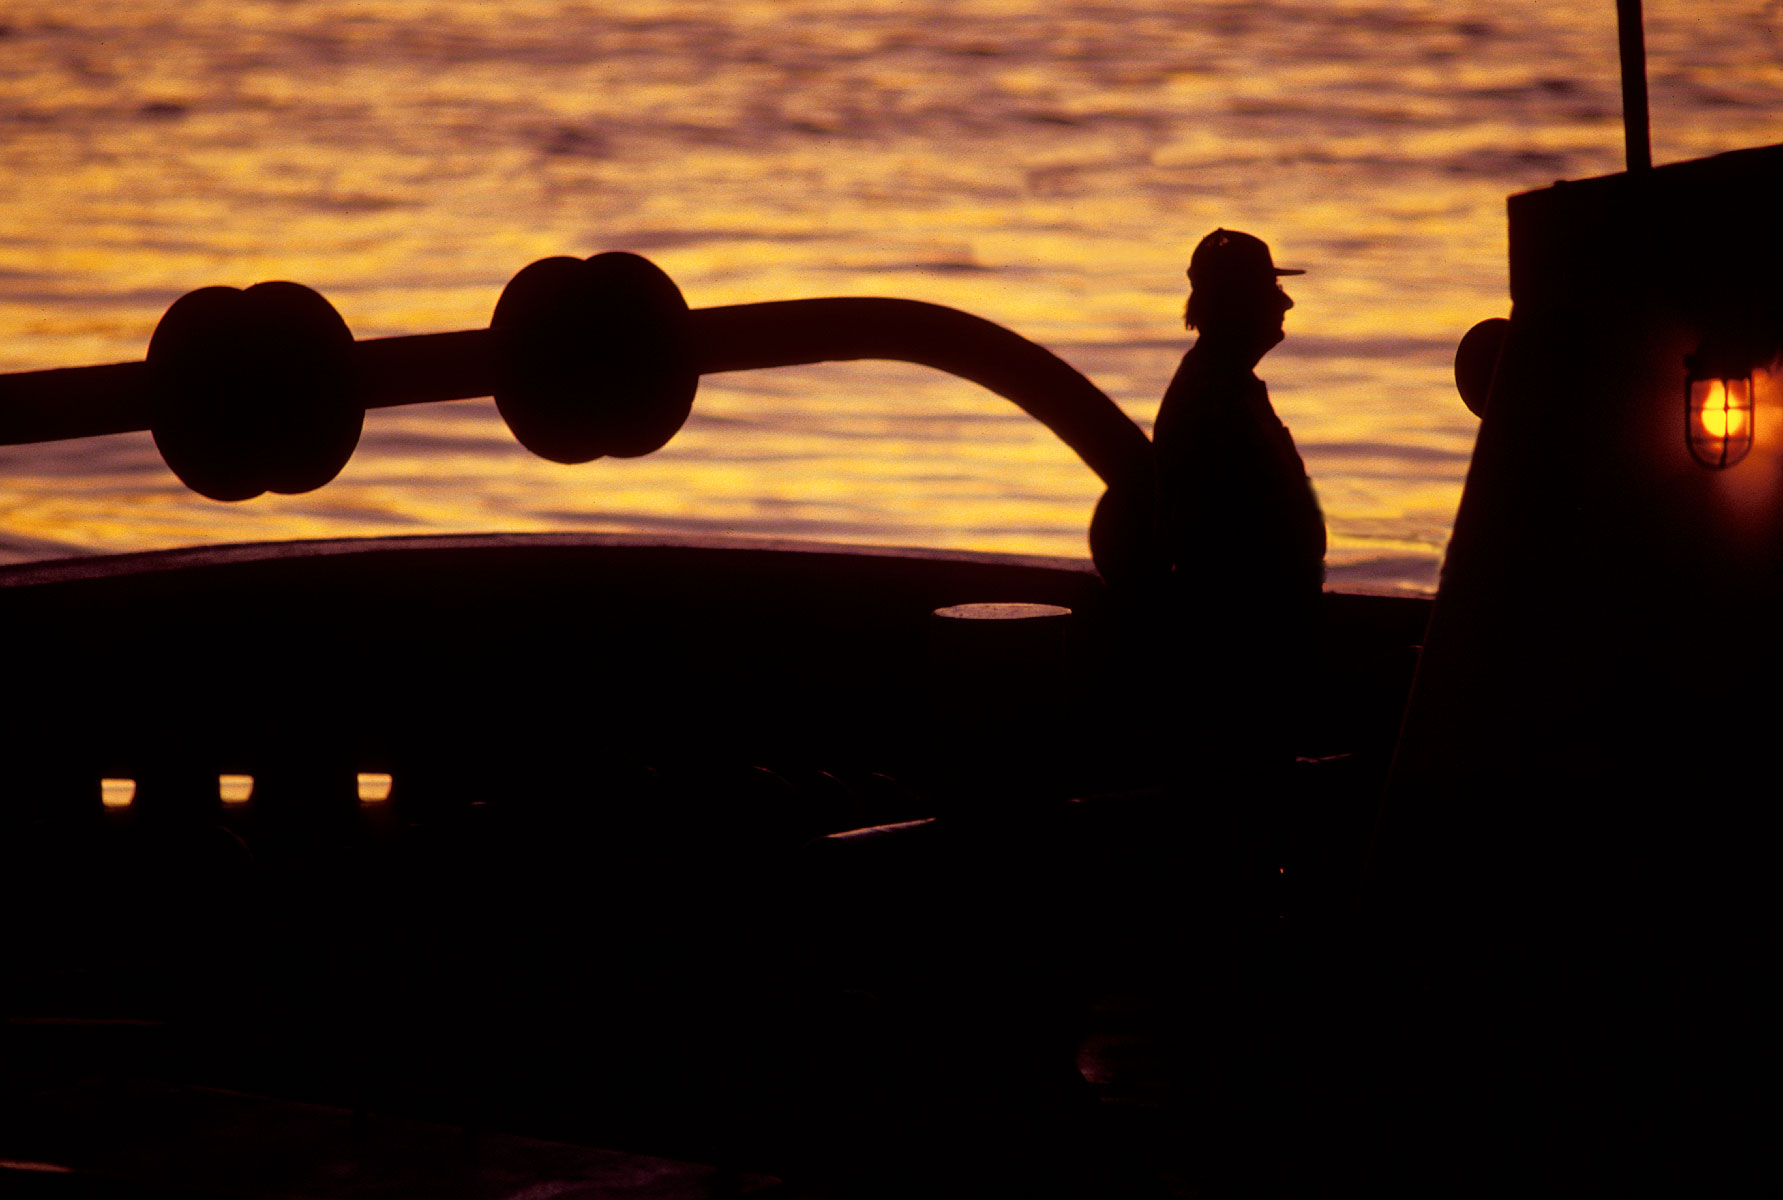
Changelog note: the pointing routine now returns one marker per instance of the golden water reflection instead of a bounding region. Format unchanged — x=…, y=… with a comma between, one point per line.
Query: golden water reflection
x=1044, y=165
x=235, y=789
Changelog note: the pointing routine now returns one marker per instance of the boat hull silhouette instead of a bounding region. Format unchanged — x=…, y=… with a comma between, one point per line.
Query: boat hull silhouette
x=581, y=910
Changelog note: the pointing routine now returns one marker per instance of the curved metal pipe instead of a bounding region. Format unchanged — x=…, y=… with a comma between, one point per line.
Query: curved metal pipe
x=742, y=337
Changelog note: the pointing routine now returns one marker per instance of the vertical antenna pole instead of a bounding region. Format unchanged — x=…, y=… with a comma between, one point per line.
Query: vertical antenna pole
x=1633, y=48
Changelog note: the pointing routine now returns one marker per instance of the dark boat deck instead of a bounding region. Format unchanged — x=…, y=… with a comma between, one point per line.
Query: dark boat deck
x=124, y=1136
x=130, y=1139
x=610, y=900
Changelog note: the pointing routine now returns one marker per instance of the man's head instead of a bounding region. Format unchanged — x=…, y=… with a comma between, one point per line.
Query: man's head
x=1235, y=289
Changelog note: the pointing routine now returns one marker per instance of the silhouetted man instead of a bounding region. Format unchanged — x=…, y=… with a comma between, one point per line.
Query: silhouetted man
x=1237, y=515
x=1246, y=545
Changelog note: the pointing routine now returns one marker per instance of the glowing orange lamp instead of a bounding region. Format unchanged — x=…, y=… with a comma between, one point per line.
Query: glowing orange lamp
x=1718, y=414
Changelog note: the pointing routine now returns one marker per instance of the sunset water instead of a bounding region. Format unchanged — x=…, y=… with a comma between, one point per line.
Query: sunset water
x=1048, y=166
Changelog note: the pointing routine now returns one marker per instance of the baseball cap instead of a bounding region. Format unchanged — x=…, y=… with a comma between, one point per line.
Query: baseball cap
x=1227, y=256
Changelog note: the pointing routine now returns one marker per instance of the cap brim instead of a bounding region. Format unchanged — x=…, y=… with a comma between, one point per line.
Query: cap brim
x=1277, y=270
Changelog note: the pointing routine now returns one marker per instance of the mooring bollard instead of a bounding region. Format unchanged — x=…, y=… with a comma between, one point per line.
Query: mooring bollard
x=1000, y=681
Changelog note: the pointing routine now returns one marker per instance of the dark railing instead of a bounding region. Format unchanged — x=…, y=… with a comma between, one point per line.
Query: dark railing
x=264, y=388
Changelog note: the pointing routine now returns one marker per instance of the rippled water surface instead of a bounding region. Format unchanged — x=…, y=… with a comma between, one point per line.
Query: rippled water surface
x=1045, y=165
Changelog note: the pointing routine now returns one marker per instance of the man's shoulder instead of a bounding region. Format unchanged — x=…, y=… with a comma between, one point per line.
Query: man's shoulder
x=1204, y=371
x=1209, y=395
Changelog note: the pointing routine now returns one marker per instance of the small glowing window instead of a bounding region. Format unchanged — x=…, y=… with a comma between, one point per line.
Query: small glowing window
x=235, y=789
x=374, y=787
x=117, y=793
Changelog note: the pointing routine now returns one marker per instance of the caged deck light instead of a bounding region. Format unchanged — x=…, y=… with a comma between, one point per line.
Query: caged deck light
x=1718, y=413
